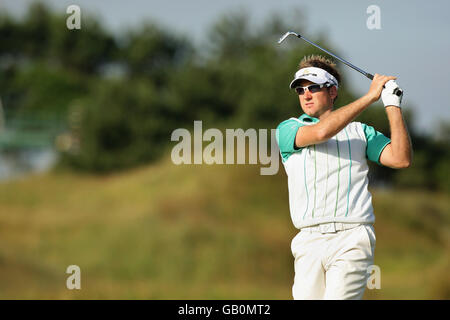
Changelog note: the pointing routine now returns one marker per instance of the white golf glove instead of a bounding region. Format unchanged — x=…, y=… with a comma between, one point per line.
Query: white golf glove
x=392, y=94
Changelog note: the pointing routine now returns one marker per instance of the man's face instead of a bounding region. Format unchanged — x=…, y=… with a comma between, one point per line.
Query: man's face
x=315, y=104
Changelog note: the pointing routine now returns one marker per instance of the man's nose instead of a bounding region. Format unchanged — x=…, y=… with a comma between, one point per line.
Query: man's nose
x=307, y=94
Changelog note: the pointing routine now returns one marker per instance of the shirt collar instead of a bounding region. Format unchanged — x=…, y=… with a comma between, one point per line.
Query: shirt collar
x=305, y=118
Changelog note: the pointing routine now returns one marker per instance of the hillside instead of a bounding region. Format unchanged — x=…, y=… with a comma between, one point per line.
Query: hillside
x=194, y=232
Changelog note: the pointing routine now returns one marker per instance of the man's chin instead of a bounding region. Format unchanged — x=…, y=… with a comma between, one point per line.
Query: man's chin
x=311, y=114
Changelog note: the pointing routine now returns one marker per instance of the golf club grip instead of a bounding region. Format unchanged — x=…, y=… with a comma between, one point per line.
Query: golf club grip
x=370, y=76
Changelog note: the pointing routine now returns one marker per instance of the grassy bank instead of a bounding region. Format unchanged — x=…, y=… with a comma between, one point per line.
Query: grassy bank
x=194, y=232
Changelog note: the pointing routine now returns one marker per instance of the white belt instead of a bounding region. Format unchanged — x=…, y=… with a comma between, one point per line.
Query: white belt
x=330, y=227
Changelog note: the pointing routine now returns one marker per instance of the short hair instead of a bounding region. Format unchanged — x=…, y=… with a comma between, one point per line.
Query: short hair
x=322, y=63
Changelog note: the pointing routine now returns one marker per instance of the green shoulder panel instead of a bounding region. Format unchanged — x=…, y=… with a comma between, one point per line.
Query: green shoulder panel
x=285, y=135
x=376, y=142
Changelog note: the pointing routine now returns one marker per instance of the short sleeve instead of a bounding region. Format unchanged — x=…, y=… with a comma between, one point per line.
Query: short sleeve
x=376, y=142
x=285, y=135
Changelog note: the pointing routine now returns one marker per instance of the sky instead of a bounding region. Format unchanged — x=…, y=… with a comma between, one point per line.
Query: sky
x=413, y=42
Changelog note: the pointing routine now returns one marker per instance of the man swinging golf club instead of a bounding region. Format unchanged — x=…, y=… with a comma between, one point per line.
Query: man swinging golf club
x=325, y=157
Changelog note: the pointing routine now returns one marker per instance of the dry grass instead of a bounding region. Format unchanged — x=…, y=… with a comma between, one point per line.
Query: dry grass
x=194, y=232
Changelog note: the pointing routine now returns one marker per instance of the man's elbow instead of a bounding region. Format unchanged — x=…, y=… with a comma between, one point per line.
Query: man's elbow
x=322, y=135
x=403, y=164
x=408, y=161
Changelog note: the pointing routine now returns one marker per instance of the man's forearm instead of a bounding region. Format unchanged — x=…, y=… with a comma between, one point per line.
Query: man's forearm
x=339, y=119
x=400, y=140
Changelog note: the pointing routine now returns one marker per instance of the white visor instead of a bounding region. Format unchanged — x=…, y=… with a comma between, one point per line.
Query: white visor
x=315, y=75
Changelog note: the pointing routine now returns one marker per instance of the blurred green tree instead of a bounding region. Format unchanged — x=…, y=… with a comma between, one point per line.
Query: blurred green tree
x=154, y=53
x=160, y=82
x=123, y=124
x=85, y=50
x=48, y=90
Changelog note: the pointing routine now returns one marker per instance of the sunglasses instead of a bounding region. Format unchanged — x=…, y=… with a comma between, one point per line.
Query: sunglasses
x=313, y=88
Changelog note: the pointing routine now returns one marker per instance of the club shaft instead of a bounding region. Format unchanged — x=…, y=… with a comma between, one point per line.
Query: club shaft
x=368, y=75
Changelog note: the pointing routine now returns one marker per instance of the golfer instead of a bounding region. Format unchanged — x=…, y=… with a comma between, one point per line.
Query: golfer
x=325, y=157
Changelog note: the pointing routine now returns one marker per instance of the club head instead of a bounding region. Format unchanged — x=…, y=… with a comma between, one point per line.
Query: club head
x=286, y=35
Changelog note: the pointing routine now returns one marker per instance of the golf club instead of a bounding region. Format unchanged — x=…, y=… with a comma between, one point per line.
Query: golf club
x=397, y=91
x=368, y=75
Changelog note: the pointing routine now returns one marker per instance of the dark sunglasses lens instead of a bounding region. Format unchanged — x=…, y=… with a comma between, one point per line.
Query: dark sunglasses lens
x=299, y=90
x=314, y=88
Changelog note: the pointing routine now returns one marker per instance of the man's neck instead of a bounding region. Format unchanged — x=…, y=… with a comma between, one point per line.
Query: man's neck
x=325, y=114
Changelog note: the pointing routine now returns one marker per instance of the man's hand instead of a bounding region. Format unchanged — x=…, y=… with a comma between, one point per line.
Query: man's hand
x=376, y=86
x=392, y=94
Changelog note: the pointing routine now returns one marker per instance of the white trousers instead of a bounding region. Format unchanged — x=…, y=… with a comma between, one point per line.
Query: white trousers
x=332, y=265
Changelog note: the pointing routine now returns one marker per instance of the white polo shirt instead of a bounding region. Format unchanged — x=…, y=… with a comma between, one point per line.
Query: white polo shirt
x=328, y=181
